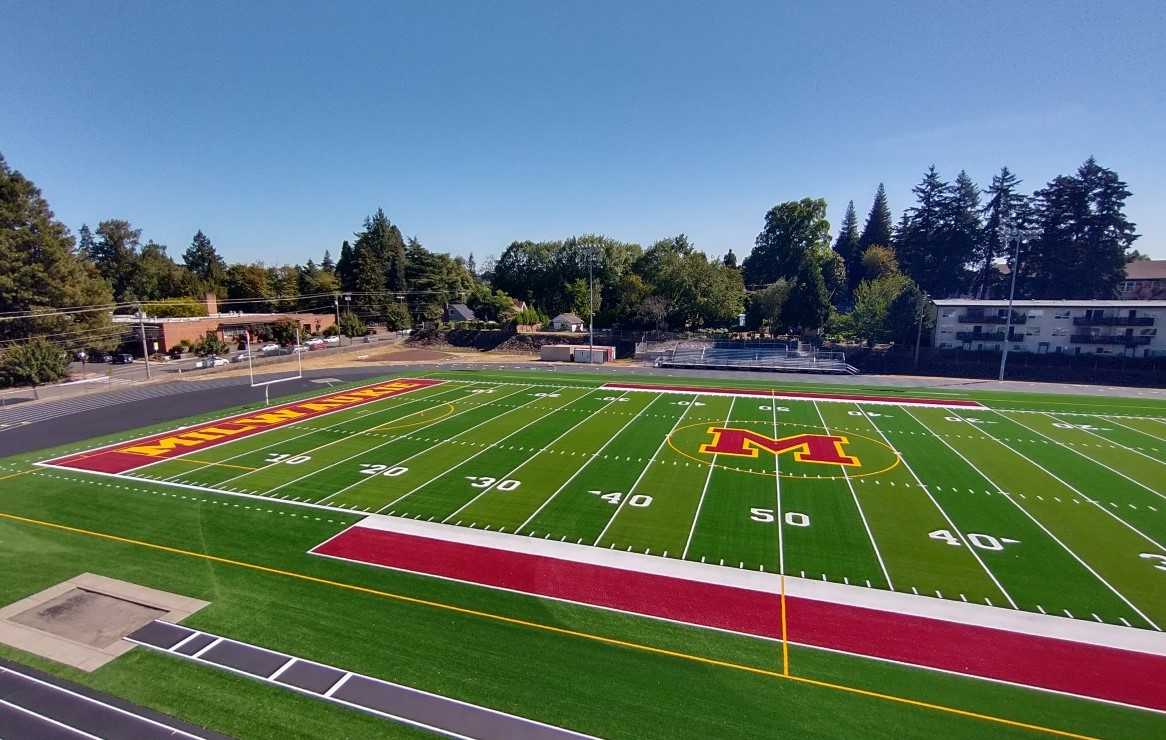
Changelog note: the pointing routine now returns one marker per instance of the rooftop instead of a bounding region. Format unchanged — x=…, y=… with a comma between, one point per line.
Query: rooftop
x=974, y=303
x=1146, y=270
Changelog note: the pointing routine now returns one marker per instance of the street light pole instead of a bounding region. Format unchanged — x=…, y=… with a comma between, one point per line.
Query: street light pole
x=1015, y=234
x=145, y=349
x=919, y=329
x=590, y=310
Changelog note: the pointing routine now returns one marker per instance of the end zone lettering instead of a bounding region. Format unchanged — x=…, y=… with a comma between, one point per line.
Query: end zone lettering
x=811, y=448
x=127, y=456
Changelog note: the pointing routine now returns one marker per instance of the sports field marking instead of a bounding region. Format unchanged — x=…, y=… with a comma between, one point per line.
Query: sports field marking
x=580, y=469
x=1090, y=458
x=344, y=438
x=1037, y=522
x=535, y=455
x=1114, y=442
x=365, y=451
x=1072, y=488
x=1111, y=419
x=490, y=446
x=708, y=477
x=204, y=464
x=954, y=528
x=861, y=515
x=631, y=491
x=615, y=642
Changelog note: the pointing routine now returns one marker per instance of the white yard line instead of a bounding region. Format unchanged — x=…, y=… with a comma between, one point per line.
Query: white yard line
x=865, y=524
x=532, y=457
x=1063, y=482
x=1110, y=419
x=488, y=447
x=958, y=533
x=1111, y=441
x=580, y=469
x=1082, y=454
x=628, y=494
x=314, y=449
x=330, y=427
x=416, y=431
x=705, y=489
x=1036, y=521
x=777, y=486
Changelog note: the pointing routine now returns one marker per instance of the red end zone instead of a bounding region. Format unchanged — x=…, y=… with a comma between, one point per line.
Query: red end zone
x=1079, y=668
x=796, y=395
x=125, y=456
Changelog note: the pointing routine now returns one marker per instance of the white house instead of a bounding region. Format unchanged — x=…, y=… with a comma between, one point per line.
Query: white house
x=1116, y=327
x=567, y=322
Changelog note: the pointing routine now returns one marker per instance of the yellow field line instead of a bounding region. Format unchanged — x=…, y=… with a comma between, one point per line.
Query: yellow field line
x=14, y=475
x=552, y=629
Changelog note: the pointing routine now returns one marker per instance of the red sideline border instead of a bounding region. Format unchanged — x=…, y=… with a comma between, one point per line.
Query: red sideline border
x=797, y=395
x=107, y=459
x=1108, y=674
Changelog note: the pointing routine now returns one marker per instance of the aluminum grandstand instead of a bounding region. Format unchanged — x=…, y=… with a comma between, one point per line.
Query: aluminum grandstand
x=773, y=356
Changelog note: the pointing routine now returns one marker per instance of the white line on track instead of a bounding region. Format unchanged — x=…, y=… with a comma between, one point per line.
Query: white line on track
x=1038, y=523
x=579, y=470
x=644, y=472
x=865, y=525
x=536, y=453
x=490, y=446
x=958, y=533
x=1087, y=457
x=705, y=489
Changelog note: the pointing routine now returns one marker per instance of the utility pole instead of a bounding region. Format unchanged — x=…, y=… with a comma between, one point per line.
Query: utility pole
x=1015, y=234
x=145, y=349
x=590, y=309
x=919, y=330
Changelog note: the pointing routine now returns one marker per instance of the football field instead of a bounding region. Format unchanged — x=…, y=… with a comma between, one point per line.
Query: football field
x=1053, y=507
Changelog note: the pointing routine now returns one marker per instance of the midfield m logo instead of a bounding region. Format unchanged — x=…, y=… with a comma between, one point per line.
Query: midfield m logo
x=811, y=448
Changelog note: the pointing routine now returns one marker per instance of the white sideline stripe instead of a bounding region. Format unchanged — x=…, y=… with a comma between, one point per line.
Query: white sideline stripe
x=764, y=395
x=1082, y=454
x=91, y=700
x=977, y=615
x=488, y=447
x=592, y=457
x=544, y=448
x=366, y=478
x=1151, y=458
x=967, y=545
x=1036, y=521
x=279, y=671
x=220, y=420
x=183, y=641
x=705, y=489
x=349, y=675
x=631, y=490
x=404, y=397
x=857, y=505
x=50, y=720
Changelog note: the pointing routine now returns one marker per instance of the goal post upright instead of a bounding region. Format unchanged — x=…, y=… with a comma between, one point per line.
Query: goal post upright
x=266, y=384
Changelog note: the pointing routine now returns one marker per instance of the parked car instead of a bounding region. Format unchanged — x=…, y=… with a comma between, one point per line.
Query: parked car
x=314, y=342
x=269, y=347
x=122, y=358
x=300, y=348
x=241, y=357
x=332, y=341
x=96, y=355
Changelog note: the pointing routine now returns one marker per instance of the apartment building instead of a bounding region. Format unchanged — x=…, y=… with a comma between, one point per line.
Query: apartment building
x=1129, y=327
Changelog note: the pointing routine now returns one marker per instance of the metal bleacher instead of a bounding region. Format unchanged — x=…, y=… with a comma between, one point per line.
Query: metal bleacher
x=754, y=356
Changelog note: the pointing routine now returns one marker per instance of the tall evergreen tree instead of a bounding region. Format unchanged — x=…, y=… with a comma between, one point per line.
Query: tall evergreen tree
x=999, y=213
x=960, y=237
x=1084, y=236
x=204, y=261
x=919, y=241
x=730, y=259
x=115, y=253
x=346, y=266
x=380, y=263
x=327, y=265
x=848, y=248
x=39, y=269
x=85, y=243
x=877, y=229
x=471, y=265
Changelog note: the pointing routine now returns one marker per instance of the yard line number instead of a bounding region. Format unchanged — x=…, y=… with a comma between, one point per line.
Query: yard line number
x=639, y=500
x=980, y=541
x=482, y=481
x=393, y=472
x=287, y=459
x=767, y=516
x=1159, y=561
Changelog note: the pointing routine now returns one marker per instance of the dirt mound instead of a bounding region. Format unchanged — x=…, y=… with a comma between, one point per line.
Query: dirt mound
x=407, y=355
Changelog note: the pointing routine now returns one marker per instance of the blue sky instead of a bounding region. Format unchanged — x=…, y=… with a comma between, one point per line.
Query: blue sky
x=277, y=127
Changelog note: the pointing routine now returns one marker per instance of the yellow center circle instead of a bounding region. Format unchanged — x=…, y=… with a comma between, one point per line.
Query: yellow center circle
x=896, y=457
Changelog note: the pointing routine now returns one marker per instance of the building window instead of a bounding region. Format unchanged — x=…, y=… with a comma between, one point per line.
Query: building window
x=1036, y=313
x=1066, y=314
x=947, y=313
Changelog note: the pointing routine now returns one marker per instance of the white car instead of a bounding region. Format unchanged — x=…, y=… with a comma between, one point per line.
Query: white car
x=314, y=342
x=269, y=347
x=211, y=362
x=332, y=340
